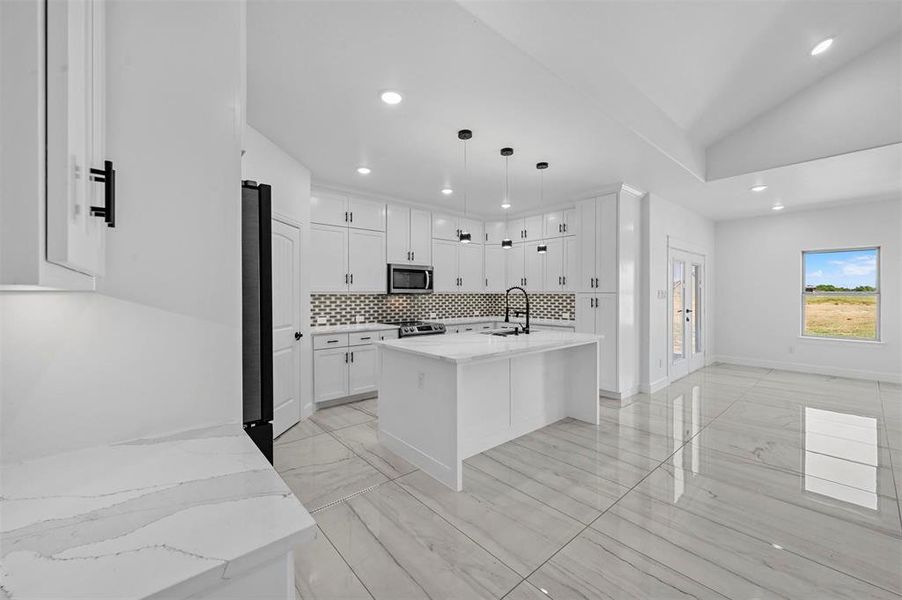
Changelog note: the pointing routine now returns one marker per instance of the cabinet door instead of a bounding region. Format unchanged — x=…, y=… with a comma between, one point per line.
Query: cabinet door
x=513, y=265
x=554, y=265
x=444, y=227
x=75, y=135
x=570, y=226
x=329, y=209
x=586, y=243
x=571, y=263
x=495, y=232
x=366, y=214
x=364, y=369
x=533, y=226
x=474, y=228
x=533, y=267
x=328, y=273
x=585, y=313
x=494, y=268
x=469, y=267
x=516, y=230
x=606, y=243
x=444, y=261
x=553, y=224
x=366, y=261
x=421, y=236
x=397, y=234
x=606, y=325
x=330, y=374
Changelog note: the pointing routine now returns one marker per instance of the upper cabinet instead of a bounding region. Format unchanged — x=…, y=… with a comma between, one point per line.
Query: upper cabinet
x=528, y=229
x=495, y=232
x=474, y=228
x=558, y=223
x=58, y=241
x=347, y=260
x=457, y=267
x=408, y=235
x=328, y=208
x=444, y=227
x=598, y=238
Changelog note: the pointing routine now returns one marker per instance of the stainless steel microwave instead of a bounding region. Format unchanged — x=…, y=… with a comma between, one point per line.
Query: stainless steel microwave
x=409, y=279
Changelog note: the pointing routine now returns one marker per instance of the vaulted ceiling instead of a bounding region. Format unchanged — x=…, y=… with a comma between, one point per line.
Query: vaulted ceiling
x=694, y=101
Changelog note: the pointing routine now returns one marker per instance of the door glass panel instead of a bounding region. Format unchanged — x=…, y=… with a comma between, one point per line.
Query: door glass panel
x=695, y=315
x=677, y=293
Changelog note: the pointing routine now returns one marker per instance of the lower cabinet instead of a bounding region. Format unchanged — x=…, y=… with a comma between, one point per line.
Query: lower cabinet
x=363, y=369
x=597, y=314
x=346, y=370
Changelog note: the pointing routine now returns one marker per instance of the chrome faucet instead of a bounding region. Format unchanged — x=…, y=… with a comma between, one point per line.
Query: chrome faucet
x=507, y=308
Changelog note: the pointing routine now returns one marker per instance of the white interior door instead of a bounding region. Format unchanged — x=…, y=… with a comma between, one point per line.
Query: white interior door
x=286, y=321
x=687, y=348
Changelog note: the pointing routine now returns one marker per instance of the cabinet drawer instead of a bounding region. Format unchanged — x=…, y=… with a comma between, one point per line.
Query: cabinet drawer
x=390, y=334
x=362, y=338
x=336, y=340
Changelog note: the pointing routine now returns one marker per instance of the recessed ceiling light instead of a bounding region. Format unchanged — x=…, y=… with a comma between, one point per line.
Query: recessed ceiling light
x=391, y=97
x=364, y=170
x=777, y=206
x=447, y=191
x=758, y=188
x=505, y=204
x=822, y=47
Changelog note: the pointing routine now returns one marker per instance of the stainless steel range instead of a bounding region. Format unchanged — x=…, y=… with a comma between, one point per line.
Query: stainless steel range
x=412, y=328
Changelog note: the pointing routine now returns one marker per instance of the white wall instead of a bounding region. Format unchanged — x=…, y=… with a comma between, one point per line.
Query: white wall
x=157, y=348
x=264, y=162
x=758, y=313
x=664, y=223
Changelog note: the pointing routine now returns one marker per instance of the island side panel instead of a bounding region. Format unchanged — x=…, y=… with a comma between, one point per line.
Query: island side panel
x=418, y=413
x=539, y=390
x=484, y=405
x=583, y=381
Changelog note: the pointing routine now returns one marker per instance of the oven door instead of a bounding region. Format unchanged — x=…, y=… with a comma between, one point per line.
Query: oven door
x=408, y=279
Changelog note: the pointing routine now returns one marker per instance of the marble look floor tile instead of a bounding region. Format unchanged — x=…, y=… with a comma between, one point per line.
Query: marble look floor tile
x=679, y=498
x=577, y=493
x=516, y=528
x=302, y=429
x=722, y=559
x=320, y=470
x=401, y=549
x=367, y=406
x=320, y=573
x=596, y=458
x=363, y=439
x=339, y=416
x=526, y=591
x=637, y=441
x=596, y=566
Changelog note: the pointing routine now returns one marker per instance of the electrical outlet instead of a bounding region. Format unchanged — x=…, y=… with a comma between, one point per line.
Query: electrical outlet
x=359, y=318
x=566, y=316
x=321, y=320
x=431, y=315
x=421, y=380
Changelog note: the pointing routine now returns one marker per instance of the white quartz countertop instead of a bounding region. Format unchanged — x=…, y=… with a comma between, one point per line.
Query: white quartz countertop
x=466, y=347
x=164, y=516
x=355, y=328
x=499, y=318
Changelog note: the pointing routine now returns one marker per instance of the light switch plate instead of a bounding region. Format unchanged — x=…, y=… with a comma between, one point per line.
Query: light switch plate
x=321, y=320
x=431, y=315
x=359, y=318
x=566, y=316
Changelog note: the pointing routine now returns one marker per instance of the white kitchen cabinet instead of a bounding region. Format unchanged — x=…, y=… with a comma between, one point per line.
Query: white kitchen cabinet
x=444, y=262
x=571, y=263
x=420, y=236
x=474, y=228
x=363, y=369
x=516, y=230
x=469, y=267
x=329, y=271
x=495, y=232
x=533, y=228
x=444, y=227
x=331, y=208
x=514, y=265
x=533, y=267
x=408, y=237
x=330, y=374
x=366, y=261
x=570, y=221
x=54, y=131
x=495, y=256
x=596, y=314
x=598, y=226
x=554, y=265
x=553, y=224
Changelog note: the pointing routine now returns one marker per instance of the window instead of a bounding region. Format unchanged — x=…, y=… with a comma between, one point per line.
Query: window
x=841, y=294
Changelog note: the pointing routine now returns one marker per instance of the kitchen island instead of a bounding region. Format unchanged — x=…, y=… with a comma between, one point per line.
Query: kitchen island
x=444, y=398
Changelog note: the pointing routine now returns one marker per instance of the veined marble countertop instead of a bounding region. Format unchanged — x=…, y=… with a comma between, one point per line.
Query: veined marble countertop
x=466, y=347
x=162, y=516
x=498, y=318
x=353, y=328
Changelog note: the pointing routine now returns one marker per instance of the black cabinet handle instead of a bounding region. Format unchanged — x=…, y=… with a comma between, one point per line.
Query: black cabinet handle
x=413, y=255
x=346, y=278
x=352, y=216
x=365, y=338
x=352, y=357
x=298, y=335
x=352, y=278
x=346, y=357
x=331, y=341
x=106, y=176
x=346, y=216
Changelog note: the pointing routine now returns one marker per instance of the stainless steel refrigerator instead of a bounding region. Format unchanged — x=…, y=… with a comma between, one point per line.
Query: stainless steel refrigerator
x=256, y=309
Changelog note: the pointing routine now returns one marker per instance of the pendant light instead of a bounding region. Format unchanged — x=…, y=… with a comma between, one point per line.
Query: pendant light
x=542, y=248
x=506, y=243
x=464, y=135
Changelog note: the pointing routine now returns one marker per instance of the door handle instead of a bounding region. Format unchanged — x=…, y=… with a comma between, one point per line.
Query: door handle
x=298, y=335
x=106, y=176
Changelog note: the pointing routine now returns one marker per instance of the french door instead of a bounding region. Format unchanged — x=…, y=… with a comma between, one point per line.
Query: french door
x=687, y=316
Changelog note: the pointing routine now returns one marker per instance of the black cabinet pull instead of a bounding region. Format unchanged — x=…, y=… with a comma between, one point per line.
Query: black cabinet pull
x=365, y=338
x=298, y=335
x=352, y=216
x=352, y=357
x=352, y=278
x=346, y=357
x=331, y=341
x=413, y=255
x=106, y=176
x=346, y=278
x=346, y=216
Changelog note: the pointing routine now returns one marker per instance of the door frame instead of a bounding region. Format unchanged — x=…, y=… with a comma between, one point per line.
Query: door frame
x=696, y=252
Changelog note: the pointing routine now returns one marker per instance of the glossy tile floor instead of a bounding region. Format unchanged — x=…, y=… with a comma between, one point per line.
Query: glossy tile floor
x=734, y=482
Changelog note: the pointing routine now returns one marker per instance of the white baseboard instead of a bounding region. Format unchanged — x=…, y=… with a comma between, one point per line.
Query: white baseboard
x=619, y=395
x=654, y=386
x=815, y=369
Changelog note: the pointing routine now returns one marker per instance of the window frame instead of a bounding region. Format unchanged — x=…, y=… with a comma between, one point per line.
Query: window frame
x=878, y=333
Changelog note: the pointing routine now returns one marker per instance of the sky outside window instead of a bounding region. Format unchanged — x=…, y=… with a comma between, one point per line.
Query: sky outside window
x=848, y=269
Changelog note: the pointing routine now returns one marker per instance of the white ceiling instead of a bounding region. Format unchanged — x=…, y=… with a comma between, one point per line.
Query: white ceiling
x=604, y=91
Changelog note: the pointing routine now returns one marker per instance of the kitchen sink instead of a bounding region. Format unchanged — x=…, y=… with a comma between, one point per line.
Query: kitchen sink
x=500, y=332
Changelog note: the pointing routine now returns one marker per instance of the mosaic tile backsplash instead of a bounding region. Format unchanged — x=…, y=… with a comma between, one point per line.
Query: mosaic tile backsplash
x=343, y=309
